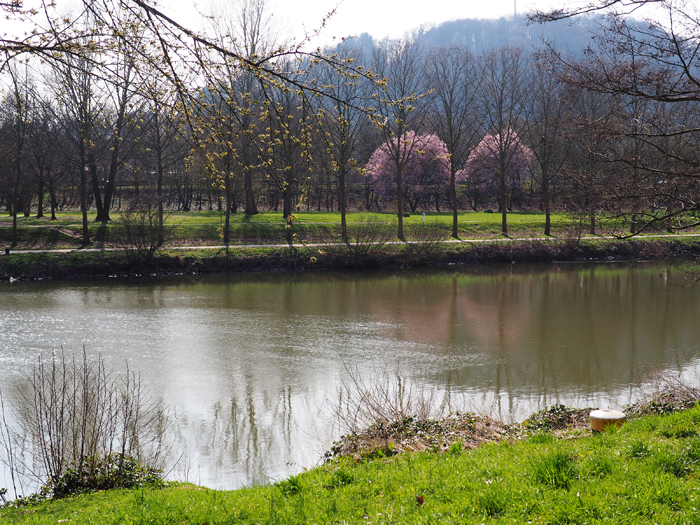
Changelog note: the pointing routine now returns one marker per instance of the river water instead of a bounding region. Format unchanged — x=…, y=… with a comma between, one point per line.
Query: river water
x=249, y=366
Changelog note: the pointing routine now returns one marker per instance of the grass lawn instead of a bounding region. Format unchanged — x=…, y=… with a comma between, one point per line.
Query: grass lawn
x=644, y=472
x=206, y=228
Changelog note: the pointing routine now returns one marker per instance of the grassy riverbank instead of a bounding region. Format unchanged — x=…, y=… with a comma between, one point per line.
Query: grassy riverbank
x=258, y=244
x=84, y=264
x=644, y=472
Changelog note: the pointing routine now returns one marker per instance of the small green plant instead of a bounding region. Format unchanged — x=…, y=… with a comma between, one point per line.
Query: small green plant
x=671, y=462
x=341, y=477
x=600, y=466
x=456, y=448
x=541, y=438
x=639, y=449
x=291, y=486
x=556, y=469
x=492, y=501
x=103, y=473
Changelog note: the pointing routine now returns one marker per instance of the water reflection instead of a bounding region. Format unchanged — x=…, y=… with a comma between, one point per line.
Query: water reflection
x=247, y=363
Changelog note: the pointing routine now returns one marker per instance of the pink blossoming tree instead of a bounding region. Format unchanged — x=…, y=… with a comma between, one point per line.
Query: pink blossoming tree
x=497, y=167
x=425, y=172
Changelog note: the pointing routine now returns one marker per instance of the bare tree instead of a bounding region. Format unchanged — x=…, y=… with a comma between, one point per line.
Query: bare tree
x=544, y=122
x=454, y=78
x=16, y=106
x=586, y=137
x=649, y=66
x=160, y=135
x=75, y=414
x=343, y=122
x=78, y=109
x=399, y=107
x=247, y=27
x=44, y=151
x=502, y=95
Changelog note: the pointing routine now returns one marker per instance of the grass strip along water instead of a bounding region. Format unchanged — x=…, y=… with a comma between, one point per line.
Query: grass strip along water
x=259, y=243
x=549, y=471
x=124, y=263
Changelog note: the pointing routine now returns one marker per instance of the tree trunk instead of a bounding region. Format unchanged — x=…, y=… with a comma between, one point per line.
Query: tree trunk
x=52, y=200
x=14, y=224
x=399, y=203
x=40, y=200
x=227, y=198
x=96, y=192
x=342, y=204
x=83, y=200
x=545, y=202
x=287, y=201
x=159, y=193
x=251, y=207
x=504, y=206
x=453, y=198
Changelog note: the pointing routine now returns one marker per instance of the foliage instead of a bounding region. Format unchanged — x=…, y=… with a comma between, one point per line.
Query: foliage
x=555, y=469
x=425, y=172
x=114, y=471
x=368, y=236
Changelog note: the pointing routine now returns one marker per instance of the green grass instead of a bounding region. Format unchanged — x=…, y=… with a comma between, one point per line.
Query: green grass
x=39, y=238
x=205, y=228
x=644, y=472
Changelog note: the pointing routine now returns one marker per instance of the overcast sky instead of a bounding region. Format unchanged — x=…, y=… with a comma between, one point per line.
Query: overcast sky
x=379, y=18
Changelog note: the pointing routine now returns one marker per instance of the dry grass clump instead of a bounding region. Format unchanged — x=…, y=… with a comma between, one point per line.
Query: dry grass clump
x=663, y=393
x=455, y=432
x=385, y=414
x=558, y=419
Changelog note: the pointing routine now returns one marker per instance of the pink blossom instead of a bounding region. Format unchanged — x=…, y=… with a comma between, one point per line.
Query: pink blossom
x=424, y=160
x=493, y=154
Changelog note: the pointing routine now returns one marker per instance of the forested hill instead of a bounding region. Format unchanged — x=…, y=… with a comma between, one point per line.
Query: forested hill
x=477, y=35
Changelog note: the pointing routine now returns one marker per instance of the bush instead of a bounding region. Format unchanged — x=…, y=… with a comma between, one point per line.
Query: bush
x=142, y=228
x=369, y=236
x=85, y=428
x=115, y=471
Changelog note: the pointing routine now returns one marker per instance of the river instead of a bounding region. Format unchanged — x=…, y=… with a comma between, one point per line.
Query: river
x=249, y=366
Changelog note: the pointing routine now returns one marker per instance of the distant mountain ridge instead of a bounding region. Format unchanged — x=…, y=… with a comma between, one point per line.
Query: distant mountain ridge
x=478, y=35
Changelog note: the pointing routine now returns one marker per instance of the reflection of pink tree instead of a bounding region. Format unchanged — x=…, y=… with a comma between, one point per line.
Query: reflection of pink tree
x=497, y=164
x=426, y=171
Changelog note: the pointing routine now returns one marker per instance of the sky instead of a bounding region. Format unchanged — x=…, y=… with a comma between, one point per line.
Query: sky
x=379, y=18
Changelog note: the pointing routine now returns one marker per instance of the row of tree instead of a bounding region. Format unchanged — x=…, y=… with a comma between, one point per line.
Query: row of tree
x=119, y=109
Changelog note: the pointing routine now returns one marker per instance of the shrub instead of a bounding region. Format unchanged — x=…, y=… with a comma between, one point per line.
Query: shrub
x=369, y=236
x=142, y=228
x=115, y=471
x=84, y=427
